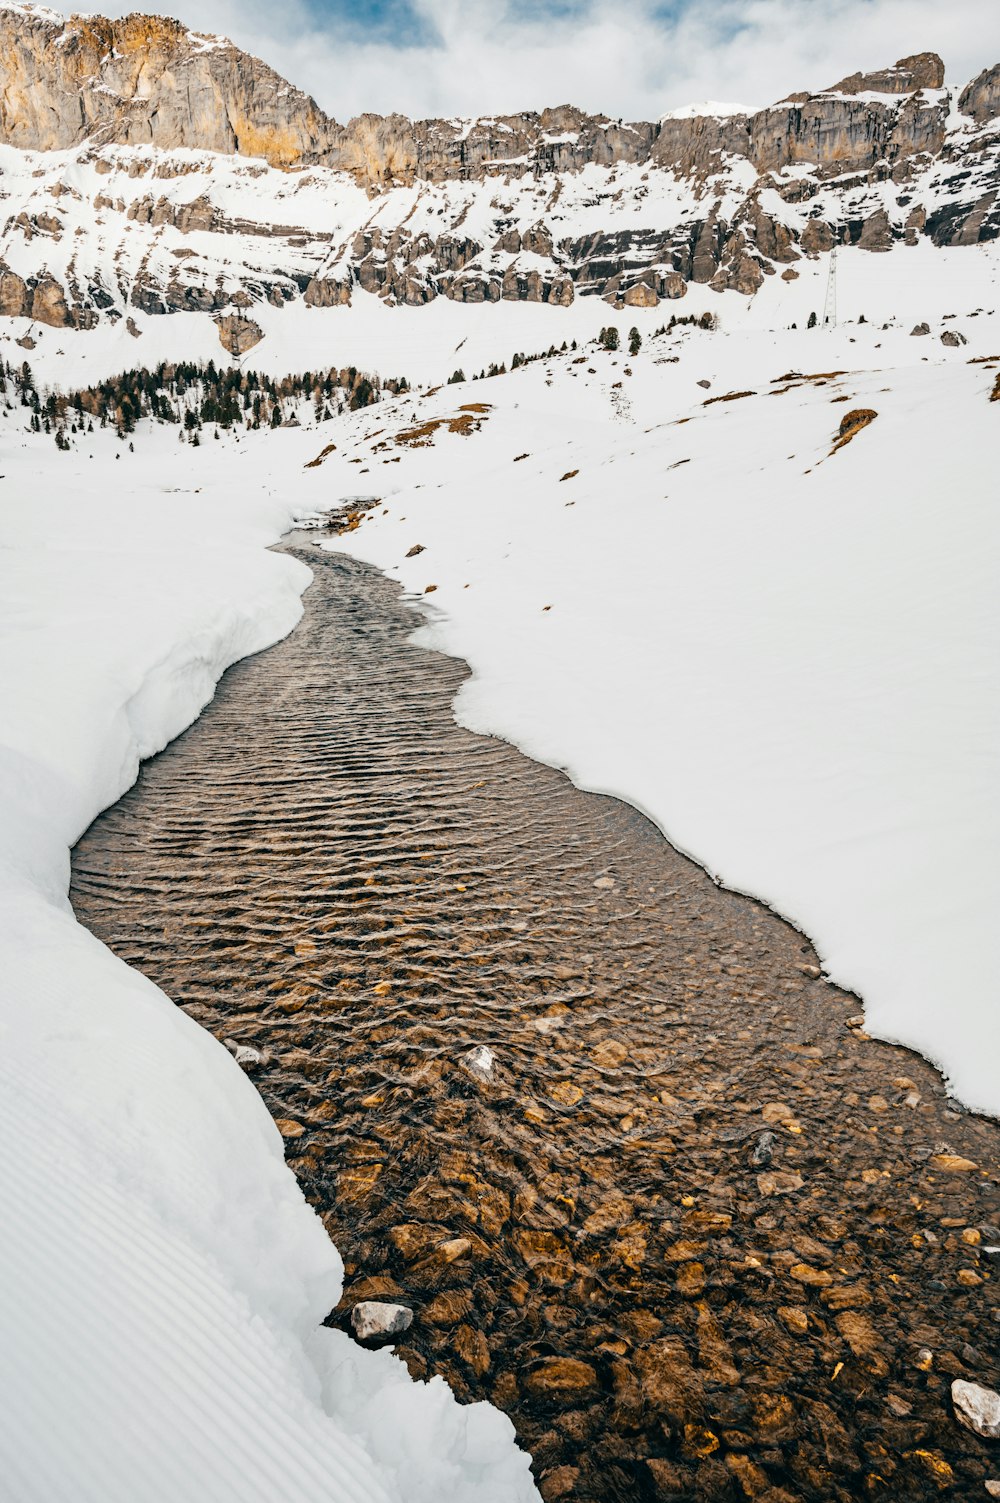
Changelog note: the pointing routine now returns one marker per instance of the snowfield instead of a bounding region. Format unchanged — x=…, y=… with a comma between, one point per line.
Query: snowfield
x=162, y=1280
x=786, y=656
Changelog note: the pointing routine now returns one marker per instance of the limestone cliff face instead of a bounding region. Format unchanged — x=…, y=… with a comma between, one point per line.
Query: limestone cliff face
x=146, y=80
x=502, y=210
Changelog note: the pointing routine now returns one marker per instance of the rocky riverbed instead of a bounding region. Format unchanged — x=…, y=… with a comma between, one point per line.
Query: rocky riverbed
x=632, y=1163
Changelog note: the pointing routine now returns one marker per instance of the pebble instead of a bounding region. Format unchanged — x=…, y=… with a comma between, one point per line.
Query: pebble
x=371, y=1318
x=479, y=1061
x=977, y=1408
x=763, y=1150
x=556, y=1376
x=244, y=1054
x=605, y=883
x=779, y=1182
x=951, y=1163
x=795, y=1318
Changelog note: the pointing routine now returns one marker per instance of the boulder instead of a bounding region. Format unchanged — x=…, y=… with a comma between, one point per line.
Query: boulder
x=237, y=335
x=642, y=296
x=48, y=303
x=373, y=1320
x=977, y=1408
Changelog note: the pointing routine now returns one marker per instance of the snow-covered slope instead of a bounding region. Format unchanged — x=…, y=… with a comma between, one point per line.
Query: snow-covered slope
x=162, y=1281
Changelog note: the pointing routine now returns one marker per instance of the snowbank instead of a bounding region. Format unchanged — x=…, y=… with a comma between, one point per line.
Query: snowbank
x=162, y=1280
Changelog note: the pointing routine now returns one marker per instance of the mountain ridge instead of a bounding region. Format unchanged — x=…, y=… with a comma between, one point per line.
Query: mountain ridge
x=149, y=167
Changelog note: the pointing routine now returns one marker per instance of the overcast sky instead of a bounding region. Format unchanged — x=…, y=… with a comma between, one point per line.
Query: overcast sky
x=634, y=58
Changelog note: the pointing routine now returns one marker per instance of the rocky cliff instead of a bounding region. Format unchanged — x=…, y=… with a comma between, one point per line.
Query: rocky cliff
x=127, y=142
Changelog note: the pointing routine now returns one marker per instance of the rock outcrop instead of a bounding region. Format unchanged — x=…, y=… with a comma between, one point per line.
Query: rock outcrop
x=981, y=98
x=875, y=161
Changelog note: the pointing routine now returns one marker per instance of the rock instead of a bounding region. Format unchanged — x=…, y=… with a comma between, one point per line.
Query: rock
x=876, y=233
x=981, y=97
x=605, y=883
x=559, y=1483
x=858, y=1332
x=667, y=1478
x=779, y=1182
x=559, y=1377
x=641, y=296
x=924, y=70
x=471, y=1346
x=763, y=1152
x=371, y=1319
x=777, y=1111
x=952, y=338
x=670, y=1384
x=817, y=1278
x=326, y=292
x=451, y=1251
x=977, y=1408
x=417, y=548
x=244, y=1054
x=14, y=299
x=992, y=1486
x=920, y=329
x=238, y=335
x=952, y=1163
x=446, y=1308
x=795, y=1318
x=479, y=1062
x=48, y=303
x=704, y=385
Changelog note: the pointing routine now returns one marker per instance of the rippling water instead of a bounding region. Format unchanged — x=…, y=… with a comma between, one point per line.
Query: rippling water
x=689, y=1229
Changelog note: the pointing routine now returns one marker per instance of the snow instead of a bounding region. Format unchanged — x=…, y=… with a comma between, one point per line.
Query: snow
x=162, y=1280
x=786, y=658
x=707, y=108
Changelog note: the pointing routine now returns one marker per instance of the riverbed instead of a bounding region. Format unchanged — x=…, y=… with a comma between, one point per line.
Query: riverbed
x=602, y=1124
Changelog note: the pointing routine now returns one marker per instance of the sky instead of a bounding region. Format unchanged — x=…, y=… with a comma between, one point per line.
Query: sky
x=629, y=58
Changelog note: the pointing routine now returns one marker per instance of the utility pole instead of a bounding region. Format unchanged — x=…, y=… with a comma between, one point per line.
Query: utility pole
x=830, y=306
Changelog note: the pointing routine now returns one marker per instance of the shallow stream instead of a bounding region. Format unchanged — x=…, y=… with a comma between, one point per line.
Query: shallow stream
x=695, y=1234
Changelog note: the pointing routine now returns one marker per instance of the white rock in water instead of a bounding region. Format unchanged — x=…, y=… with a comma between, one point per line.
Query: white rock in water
x=479, y=1061
x=977, y=1408
x=244, y=1054
x=373, y=1318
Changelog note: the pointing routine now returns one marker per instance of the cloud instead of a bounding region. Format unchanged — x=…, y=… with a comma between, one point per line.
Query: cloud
x=634, y=58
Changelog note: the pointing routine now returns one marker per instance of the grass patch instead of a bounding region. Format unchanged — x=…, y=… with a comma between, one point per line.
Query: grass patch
x=730, y=396
x=851, y=424
x=314, y=463
x=468, y=419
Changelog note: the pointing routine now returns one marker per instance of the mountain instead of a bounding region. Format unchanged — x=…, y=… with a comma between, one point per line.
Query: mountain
x=146, y=169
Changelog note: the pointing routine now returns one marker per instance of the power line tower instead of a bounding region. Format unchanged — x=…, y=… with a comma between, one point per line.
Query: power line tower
x=830, y=306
